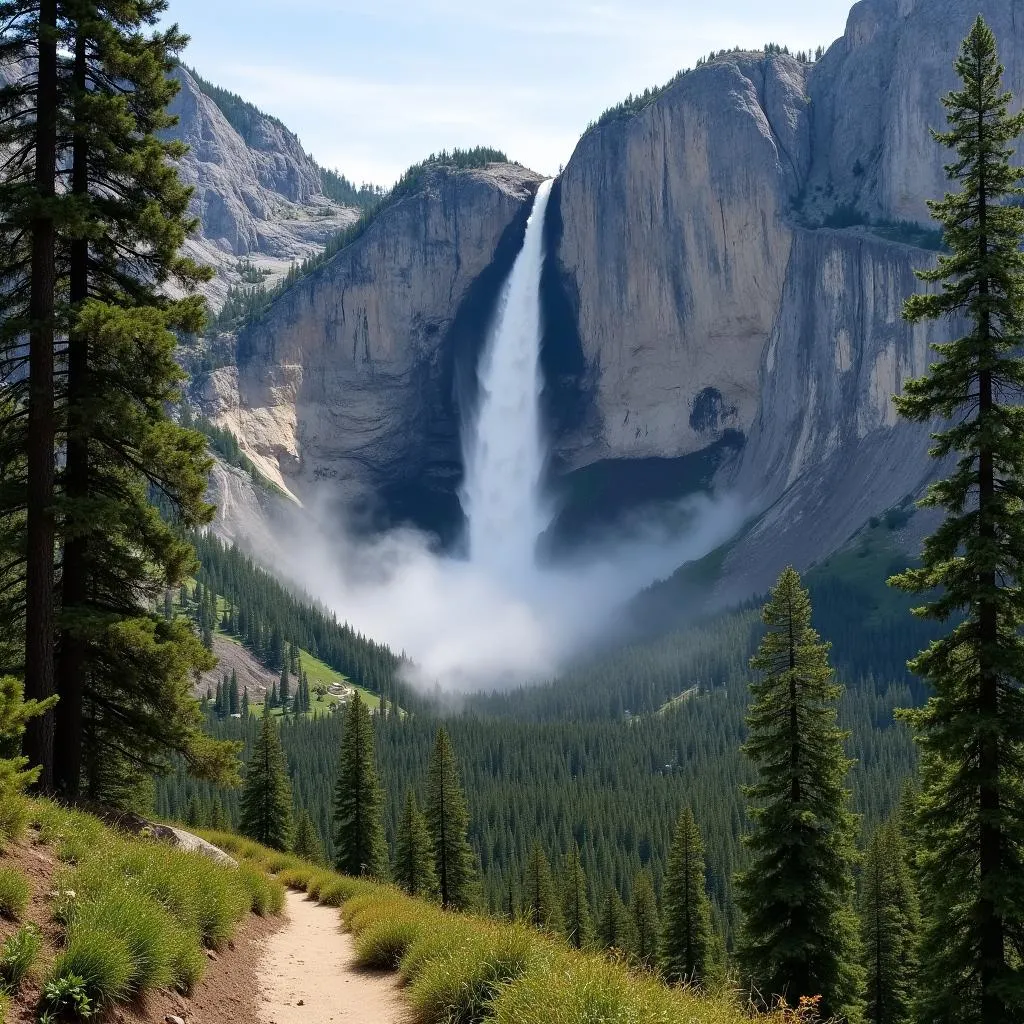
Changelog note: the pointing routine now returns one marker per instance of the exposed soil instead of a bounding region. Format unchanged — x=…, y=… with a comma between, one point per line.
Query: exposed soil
x=228, y=992
x=250, y=672
x=38, y=864
x=308, y=974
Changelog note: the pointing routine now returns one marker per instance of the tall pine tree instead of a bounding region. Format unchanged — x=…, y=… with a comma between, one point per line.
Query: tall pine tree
x=267, y=796
x=799, y=934
x=889, y=924
x=359, y=844
x=643, y=910
x=688, y=948
x=448, y=821
x=307, y=843
x=614, y=925
x=575, y=901
x=971, y=821
x=414, y=854
x=540, y=905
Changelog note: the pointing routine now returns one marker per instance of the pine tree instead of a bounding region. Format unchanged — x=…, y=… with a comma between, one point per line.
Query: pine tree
x=643, y=910
x=33, y=206
x=271, y=698
x=360, y=847
x=540, y=907
x=414, y=855
x=267, y=797
x=234, y=705
x=614, y=924
x=971, y=731
x=245, y=704
x=688, y=949
x=284, y=689
x=218, y=704
x=307, y=844
x=448, y=821
x=575, y=901
x=799, y=933
x=889, y=924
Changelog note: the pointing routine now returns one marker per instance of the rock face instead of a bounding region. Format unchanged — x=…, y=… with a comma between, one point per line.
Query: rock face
x=721, y=277
x=257, y=197
x=349, y=384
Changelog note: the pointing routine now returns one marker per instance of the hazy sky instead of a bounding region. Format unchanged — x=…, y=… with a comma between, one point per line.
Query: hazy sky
x=371, y=86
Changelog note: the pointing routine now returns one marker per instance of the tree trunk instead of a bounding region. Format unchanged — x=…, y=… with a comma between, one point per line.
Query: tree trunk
x=74, y=580
x=990, y=840
x=40, y=529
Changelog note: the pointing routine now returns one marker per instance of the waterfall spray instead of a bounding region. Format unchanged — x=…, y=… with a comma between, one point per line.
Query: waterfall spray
x=504, y=450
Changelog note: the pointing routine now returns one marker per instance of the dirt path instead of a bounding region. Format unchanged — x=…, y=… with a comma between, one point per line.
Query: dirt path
x=307, y=974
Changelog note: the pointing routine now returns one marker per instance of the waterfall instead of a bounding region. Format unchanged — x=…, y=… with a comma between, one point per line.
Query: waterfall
x=503, y=450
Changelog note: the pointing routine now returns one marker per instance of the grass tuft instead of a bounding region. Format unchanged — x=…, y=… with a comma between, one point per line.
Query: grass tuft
x=18, y=955
x=14, y=893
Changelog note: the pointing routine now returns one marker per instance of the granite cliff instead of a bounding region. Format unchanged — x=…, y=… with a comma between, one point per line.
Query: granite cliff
x=722, y=301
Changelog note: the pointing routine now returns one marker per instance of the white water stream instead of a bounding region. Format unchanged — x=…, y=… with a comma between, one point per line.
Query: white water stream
x=504, y=449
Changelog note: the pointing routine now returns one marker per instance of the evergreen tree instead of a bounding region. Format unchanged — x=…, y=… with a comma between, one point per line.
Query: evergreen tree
x=284, y=689
x=799, y=930
x=360, y=847
x=575, y=901
x=540, y=907
x=307, y=844
x=614, y=924
x=414, y=855
x=271, y=698
x=688, y=950
x=889, y=922
x=234, y=704
x=643, y=910
x=245, y=704
x=266, y=803
x=218, y=704
x=448, y=821
x=971, y=821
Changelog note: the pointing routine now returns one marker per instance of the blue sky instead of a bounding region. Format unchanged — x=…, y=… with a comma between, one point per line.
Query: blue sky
x=371, y=86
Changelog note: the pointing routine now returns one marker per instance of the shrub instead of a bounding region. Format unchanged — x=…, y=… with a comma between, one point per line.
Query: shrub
x=14, y=892
x=17, y=956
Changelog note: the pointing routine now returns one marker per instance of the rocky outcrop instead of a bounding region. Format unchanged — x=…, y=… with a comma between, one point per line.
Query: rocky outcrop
x=257, y=197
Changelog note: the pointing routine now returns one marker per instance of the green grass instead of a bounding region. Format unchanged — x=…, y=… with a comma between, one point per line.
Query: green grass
x=138, y=914
x=14, y=893
x=18, y=956
x=462, y=969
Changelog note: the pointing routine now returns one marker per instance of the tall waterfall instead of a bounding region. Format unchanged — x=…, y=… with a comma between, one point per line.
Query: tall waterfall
x=504, y=450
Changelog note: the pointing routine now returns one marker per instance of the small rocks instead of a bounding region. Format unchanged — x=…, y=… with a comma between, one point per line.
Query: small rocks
x=212, y=956
x=171, y=1019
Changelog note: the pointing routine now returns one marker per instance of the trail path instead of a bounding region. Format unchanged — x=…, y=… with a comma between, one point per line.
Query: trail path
x=308, y=974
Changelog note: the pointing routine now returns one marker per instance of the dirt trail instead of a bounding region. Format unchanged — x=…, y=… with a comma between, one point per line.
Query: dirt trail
x=308, y=976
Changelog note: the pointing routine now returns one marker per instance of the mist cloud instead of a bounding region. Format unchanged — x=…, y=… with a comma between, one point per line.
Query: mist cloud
x=465, y=629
